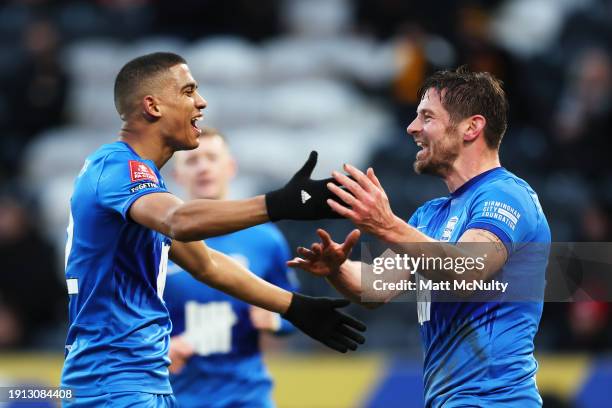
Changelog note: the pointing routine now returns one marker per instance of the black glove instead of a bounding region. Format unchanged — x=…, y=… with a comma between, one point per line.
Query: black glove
x=302, y=198
x=318, y=318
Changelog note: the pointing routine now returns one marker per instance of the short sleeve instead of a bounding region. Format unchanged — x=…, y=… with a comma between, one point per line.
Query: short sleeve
x=504, y=210
x=414, y=219
x=123, y=179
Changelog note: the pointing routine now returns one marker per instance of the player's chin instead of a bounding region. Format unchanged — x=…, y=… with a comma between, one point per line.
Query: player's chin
x=191, y=140
x=209, y=192
x=419, y=166
x=425, y=167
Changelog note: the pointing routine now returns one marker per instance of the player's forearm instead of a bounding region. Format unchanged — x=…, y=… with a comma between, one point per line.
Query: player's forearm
x=408, y=240
x=227, y=275
x=200, y=219
x=347, y=281
x=400, y=232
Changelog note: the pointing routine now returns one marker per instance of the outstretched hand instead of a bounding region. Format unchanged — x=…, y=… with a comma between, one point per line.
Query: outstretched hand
x=325, y=258
x=320, y=319
x=302, y=198
x=361, y=198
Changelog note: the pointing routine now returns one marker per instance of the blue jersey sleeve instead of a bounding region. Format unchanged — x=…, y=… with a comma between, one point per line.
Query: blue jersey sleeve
x=281, y=275
x=414, y=219
x=123, y=179
x=504, y=209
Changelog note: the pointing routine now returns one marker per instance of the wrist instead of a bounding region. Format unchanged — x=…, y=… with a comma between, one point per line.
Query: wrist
x=286, y=300
x=273, y=205
x=337, y=271
x=394, y=232
x=295, y=301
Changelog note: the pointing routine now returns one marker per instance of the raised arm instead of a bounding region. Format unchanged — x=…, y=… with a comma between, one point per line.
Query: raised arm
x=200, y=219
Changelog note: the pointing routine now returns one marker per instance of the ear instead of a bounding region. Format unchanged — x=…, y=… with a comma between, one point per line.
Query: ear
x=150, y=107
x=475, y=127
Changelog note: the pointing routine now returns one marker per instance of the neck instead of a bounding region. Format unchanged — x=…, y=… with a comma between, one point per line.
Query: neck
x=147, y=143
x=466, y=168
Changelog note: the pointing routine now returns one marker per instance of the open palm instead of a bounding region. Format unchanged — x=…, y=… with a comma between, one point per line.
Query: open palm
x=325, y=257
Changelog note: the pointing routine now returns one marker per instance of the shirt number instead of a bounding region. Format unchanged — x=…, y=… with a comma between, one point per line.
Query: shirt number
x=208, y=326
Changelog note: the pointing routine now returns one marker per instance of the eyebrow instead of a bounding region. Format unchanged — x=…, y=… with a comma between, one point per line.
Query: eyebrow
x=193, y=85
x=425, y=111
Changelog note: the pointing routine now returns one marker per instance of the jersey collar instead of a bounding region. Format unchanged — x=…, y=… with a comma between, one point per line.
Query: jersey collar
x=141, y=158
x=473, y=181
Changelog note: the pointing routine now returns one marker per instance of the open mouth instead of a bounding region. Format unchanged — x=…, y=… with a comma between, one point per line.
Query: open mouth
x=424, y=149
x=194, y=123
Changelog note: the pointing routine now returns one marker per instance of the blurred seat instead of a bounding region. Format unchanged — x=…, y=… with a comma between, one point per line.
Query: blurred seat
x=307, y=102
x=346, y=57
x=61, y=152
x=54, y=201
x=150, y=44
x=224, y=60
x=275, y=153
x=294, y=58
x=51, y=163
x=361, y=58
x=94, y=61
x=92, y=105
x=232, y=106
x=317, y=18
x=527, y=27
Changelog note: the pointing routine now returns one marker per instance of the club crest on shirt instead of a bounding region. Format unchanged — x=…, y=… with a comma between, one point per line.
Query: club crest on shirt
x=140, y=171
x=448, y=230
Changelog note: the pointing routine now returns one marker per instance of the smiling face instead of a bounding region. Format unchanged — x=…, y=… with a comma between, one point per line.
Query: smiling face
x=439, y=140
x=205, y=172
x=179, y=106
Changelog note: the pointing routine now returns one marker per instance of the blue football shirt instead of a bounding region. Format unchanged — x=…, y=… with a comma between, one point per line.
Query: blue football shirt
x=115, y=272
x=227, y=369
x=481, y=353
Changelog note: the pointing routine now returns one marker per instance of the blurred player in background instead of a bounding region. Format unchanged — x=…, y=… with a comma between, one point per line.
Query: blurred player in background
x=475, y=353
x=214, y=348
x=124, y=226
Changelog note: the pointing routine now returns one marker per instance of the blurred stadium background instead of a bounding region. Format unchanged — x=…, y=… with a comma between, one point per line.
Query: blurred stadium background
x=283, y=77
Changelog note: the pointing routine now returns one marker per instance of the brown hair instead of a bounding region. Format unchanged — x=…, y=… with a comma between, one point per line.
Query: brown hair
x=464, y=93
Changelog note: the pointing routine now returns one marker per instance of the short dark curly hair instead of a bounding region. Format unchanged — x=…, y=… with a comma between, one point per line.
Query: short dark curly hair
x=139, y=73
x=464, y=93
